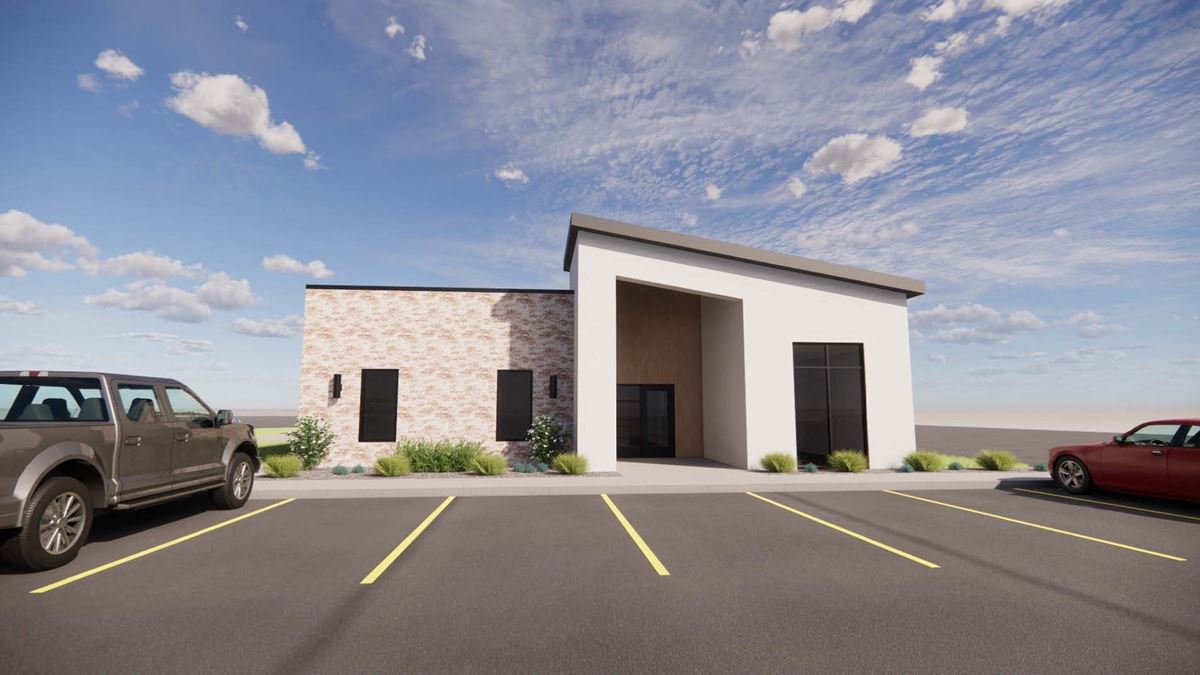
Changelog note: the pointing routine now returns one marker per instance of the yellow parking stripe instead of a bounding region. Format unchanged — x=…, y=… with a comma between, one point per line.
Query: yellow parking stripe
x=637, y=539
x=1041, y=527
x=1097, y=501
x=839, y=528
x=412, y=536
x=156, y=549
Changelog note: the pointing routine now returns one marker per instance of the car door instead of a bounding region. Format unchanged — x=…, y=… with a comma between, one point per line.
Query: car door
x=144, y=447
x=1183, y=465
x=1138, y=462
x=198, y=442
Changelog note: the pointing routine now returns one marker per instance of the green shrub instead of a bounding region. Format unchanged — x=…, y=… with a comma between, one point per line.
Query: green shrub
x=851, y=461
x=358, y=468
x=778, y=462
x=963, y=462
x=810, y=468
x=1039, y=467
x=906, y=468
x=489, y=464
x=570, y=463
x=547, y=439
x=955, y=466
x=392, y=466
x=924, y=460
x=310, y=440
x=439, y=456
x=340, y=470
x=528, y=467
x=282, y=466
x=997, y=460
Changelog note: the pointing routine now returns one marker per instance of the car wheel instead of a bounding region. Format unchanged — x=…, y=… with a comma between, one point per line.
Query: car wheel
x=238, y=483
x=57, y=521
x=1073, y=475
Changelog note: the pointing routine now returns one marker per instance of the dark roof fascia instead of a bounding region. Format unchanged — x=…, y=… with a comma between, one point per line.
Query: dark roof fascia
x=345, y=287
x=581, y=222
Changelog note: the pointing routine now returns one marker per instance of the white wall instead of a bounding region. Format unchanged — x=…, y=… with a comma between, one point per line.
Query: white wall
x=724, y=376
x=778, y=307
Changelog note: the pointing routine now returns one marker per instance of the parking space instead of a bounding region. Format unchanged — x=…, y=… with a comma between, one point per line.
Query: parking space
x=832, y=581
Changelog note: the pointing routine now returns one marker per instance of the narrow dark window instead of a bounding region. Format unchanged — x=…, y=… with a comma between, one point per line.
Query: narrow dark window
x=830, y=399
x=377, y=405
x=514, y=404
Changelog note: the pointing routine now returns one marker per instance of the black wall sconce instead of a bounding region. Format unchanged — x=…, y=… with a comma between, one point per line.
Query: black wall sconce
x=553, y=386
x=337, y=386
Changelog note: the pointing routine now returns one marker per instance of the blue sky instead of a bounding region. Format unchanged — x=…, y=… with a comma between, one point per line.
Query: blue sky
x=1036, y=162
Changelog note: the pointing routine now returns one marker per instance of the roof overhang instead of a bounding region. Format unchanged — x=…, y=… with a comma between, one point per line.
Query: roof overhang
x=686, y=242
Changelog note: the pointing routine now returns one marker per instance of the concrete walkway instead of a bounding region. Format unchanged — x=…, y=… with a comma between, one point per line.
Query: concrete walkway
x=643, y=477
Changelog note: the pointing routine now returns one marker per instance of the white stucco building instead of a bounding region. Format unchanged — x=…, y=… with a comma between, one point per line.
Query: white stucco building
x=667, y=345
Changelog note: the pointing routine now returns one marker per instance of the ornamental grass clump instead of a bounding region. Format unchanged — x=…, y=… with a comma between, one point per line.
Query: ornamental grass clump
x=997, y=460
x=439, y=456
x=924, y=460
x=851, y=461
x=310, y=440
x=392, y=466
x=489, y=464
x=778, y=462
x=282, y=466
x=570, y=464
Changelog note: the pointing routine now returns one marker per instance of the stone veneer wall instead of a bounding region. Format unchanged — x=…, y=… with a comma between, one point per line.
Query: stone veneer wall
x=447, y=346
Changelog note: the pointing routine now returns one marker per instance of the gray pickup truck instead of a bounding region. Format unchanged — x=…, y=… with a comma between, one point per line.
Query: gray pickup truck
x=73, y=442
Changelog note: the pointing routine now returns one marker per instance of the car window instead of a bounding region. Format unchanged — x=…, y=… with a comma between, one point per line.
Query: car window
x=1193, y=440
x=139, y=402
x=51, y=399
x=185, y=406
x=1153, y=434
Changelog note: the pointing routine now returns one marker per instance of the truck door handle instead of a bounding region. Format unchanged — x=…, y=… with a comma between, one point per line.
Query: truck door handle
x=183, y=436
x=133, y=440
x=1156, y=452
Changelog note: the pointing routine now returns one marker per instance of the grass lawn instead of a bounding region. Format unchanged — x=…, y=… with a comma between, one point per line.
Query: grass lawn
x=272, y=441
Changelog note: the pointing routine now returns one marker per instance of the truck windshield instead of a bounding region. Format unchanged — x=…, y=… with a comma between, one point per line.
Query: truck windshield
x=51, y=399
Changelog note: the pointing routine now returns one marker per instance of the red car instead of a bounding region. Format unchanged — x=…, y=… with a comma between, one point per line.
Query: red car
x=1159, y=459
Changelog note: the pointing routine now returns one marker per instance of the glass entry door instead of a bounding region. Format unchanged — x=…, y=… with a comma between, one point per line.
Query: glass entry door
x=645, y=420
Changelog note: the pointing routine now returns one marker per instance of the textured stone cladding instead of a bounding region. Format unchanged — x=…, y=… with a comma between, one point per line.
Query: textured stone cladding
x=447, y=347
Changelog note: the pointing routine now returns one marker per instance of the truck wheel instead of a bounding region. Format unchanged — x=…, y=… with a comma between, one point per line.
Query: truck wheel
x=238, y=483
x=57, y=521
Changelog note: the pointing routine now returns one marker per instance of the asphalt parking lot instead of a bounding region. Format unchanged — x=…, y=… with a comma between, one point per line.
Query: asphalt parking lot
x=956, y=580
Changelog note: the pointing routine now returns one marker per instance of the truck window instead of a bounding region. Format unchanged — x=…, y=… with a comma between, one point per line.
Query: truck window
x=51, y=399
x=186, y=408
x=139, y=403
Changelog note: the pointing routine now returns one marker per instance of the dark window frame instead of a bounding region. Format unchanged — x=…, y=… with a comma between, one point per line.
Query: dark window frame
x=862, y=384
x=383, y=437
x=512, y=435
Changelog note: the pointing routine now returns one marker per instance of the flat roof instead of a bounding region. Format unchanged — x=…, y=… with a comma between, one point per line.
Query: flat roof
x=344, y=287
x=581, y=222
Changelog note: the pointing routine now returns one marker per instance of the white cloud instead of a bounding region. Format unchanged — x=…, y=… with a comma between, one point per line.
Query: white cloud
x=118, y=66
x=944, y=11
x=224, y=292
x=241, y=23
x=286, y=263
x=1062, y=232
x=27, y=243
x=510, y=173
x=885, y=234
x=855, y=157
x=1095, y=330
x=972, y=323
x=312, y=161
x=786, y=27
x=229, y=105
x=165, y=302
x=924, y=71
x=853, y=10
x=145, y=264
x=417, y=48
x=711, y=192
x=1081, y=317
x=10, y=306
x=953, y=45
x=939, y=121
x=936, y=357
x=689, y=219
x=88, y=82
x=393, y=28
x=1021, y=7
x=127, y=109
x=175, y=345
x=1003, y=23
x=796, y=187
x=274, y=328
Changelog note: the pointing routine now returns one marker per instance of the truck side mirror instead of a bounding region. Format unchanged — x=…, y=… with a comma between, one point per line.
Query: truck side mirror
x=1119, y=439
x=224, y=417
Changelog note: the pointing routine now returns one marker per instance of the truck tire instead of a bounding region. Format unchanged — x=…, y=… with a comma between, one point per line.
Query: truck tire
x=239, y=481
x=57, y=521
